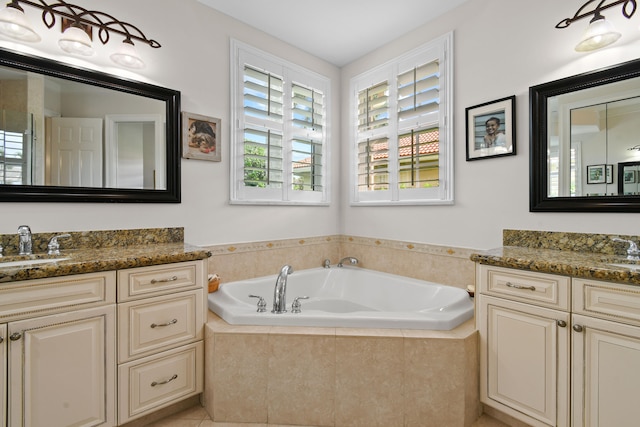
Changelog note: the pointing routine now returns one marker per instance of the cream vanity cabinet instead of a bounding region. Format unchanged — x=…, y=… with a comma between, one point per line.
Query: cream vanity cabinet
x=605, y=354
x=523, y=321
x=536, y=328
x=100, y=349
x=59, y=351
x=3, y=374
x=161, y=314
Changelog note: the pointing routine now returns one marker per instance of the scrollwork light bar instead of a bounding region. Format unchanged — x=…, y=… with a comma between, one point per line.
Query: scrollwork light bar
x=104, y=22
x=628, y=9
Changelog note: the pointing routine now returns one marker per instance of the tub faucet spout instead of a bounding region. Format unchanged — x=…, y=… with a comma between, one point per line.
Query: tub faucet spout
x=350, y=259
x=280, y=290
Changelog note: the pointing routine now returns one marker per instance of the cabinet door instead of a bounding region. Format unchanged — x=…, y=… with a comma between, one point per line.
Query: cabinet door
x=606, y=373
x=3, y=375
x=62, y=369
x=524, y=356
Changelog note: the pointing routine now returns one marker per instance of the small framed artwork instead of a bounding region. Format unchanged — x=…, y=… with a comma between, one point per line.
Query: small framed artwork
x=596, y=174
x=630, y=177
x=491, y=129
x=200, y=137
x=609, y=174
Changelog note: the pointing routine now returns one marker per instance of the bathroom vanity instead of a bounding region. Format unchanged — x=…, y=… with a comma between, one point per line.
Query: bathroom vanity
x=101, y=337
x=559, y=330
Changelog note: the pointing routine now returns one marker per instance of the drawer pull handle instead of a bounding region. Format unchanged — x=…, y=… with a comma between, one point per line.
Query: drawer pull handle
x=171, y=322
x=155, y=383
x=169, y=279
x=516, y=286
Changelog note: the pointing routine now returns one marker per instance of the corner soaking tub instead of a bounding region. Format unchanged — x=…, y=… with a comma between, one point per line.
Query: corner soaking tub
x=350, y=297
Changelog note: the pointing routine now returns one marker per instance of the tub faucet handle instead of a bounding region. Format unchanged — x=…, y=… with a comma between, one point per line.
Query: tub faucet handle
x=296, y=305
x=262, y=304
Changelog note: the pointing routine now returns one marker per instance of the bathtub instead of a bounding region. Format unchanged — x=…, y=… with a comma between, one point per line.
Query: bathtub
x=350, y=297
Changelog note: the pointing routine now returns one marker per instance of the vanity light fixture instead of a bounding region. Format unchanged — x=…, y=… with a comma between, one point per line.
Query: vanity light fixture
x=75, y=40
x=635, y=147
x=600, y=32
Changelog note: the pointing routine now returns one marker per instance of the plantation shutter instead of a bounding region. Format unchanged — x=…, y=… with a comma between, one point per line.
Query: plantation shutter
x=263, y=109
x=12, y=159
x=419, y=92
x=373, y=107
x=280, y=113
x=308, y=134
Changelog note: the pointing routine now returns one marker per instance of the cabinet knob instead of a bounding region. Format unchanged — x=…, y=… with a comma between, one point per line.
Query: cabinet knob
x=578, y=328
x=1, y=340
x=15, y=336
x=562, y=323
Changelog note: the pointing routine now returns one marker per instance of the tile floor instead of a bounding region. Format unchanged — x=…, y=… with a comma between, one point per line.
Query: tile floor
x=198, y=417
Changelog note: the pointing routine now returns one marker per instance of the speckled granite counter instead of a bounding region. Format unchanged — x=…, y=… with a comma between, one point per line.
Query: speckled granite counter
x=572, y=254
x=101, y=251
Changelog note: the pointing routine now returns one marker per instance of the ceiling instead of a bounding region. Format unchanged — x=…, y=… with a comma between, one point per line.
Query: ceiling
x=336, y=37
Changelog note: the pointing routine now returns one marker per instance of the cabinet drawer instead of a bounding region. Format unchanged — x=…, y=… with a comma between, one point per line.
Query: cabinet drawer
x=548, y=290
x=159, y=323
x=28, y=298
x=142, y=282
x=158, y=381
x=607, y=300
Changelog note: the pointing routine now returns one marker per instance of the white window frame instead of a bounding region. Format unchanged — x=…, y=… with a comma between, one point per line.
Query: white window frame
x=241, y=55
x=440, y=49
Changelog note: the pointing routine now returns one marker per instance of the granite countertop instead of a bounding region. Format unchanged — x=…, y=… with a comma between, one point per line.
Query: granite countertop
x=116, y=250
x=554, y=257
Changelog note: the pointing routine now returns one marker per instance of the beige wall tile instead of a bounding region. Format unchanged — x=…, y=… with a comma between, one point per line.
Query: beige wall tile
x=301, y=389
x=369, y=376
x=239, y=378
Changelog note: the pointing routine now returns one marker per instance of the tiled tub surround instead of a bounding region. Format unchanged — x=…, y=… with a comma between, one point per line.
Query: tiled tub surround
x=340, y=376
x=433, y=263
x=93, y=251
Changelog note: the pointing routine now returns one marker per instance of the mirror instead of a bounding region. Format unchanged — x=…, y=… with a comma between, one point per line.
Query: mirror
x=73, y=135
x=584, y=142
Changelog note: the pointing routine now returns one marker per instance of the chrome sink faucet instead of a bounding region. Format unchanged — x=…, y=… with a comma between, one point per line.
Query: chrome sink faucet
x=633, y=253
x=280, y=290
x=25, y=246
x=352, y=261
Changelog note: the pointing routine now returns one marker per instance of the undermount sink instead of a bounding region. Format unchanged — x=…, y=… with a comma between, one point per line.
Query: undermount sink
x=630, y=266
x=29, y=262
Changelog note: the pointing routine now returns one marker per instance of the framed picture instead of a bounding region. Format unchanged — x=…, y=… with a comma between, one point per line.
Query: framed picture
x=200, y=137
x=491, y=129
x=609, y=174
x=630, y=177
x=596, y=174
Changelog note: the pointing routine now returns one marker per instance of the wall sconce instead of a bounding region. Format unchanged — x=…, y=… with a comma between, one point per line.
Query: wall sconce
x=600, y=32
x=75, y=39
x=635, y=147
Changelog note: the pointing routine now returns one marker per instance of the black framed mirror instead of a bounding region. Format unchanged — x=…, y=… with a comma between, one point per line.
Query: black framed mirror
x=75, y=135
x=582, y=128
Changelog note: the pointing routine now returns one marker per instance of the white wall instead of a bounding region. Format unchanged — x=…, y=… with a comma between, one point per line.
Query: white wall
x=194, y=58
x=501, y=48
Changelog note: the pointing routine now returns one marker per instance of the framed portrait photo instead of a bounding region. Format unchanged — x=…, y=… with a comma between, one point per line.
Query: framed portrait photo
x=491, y=129
x=200, y=137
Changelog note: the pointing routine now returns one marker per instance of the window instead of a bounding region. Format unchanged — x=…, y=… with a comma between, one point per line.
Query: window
x=402, y=145
x=279, y=145
x=12, y=158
